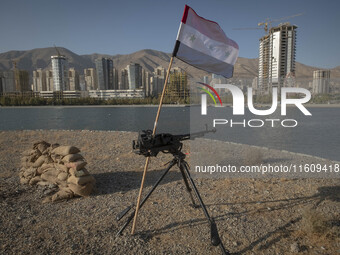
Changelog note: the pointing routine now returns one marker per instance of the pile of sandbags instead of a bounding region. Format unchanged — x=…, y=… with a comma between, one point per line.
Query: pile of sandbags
x=63, y=166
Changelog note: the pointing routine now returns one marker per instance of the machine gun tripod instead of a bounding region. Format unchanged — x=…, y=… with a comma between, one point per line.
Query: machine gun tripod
x=149, y=145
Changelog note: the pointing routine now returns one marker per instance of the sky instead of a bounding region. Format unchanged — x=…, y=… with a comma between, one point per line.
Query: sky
x=126, y=26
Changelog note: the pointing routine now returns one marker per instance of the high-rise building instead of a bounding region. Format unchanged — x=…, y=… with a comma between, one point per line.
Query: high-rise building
x=60, y=73
x=146, y=83
x=157, y=81
x=39, y=80
x=91, y=81
x=49, y=80
x=73, y=78
x=104, y=67
x=134, y=75
x=277, y=57
x=115, y=78
x=321, y=80
x=124, y=81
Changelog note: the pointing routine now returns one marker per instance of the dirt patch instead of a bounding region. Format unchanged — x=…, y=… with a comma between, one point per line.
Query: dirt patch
x=254, y=216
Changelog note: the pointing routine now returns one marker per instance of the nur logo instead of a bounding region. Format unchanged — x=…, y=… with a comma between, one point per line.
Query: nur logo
x=239, y=104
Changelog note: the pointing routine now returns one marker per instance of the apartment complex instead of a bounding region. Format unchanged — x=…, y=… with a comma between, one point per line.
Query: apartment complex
x=90, y=77
x=124, y=80
x=277, y=57
x=104, y=67
x=73, y=80
x=157, y=81
x=104, y=81
x=39, y=80
x=134, y=72
x=321, y=81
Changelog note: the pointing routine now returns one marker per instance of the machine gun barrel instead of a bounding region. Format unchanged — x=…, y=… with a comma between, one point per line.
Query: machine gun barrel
x=194, y=135
x=150, y=145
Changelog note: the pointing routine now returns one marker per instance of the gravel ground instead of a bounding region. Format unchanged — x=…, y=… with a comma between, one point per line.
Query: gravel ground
x=254, y=216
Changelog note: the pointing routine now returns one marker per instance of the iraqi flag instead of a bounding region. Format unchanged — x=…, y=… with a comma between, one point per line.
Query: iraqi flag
x=203, y=44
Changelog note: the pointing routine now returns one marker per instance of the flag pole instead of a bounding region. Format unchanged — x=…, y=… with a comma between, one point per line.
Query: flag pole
x=148, y=158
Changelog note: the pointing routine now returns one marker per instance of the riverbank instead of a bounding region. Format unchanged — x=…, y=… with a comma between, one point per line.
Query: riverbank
x=164, y=105
x=98, y=106
x=261, y=216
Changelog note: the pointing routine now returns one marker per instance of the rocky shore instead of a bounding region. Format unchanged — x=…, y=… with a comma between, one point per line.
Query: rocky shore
x=254, y=216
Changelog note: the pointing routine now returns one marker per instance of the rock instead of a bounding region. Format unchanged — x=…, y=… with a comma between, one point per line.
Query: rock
x=295, y=248
x=236, y=243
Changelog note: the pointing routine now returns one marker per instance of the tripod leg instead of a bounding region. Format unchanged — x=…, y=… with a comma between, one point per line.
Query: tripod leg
x=172, y=163
x=215, y=238
x=187, y=184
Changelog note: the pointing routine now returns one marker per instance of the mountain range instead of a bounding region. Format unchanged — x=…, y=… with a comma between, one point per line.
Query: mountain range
x=149, y=59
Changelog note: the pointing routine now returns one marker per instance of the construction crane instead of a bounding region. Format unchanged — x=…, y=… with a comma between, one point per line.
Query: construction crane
x=267, y=24
x=58, y=52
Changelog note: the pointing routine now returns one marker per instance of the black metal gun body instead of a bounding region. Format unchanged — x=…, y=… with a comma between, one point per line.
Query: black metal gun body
x=150, y=145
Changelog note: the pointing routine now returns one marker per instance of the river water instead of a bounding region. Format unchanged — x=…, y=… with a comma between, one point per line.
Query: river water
x=317, y=135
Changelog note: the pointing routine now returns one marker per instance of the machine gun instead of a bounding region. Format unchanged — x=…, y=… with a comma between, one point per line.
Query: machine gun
x=149, y=145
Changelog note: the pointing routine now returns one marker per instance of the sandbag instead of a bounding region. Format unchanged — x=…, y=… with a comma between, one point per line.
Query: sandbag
x=29, y=173
x=48, y=159
x=62, y=184
x=35, y=180
x=30, y=158
x=39, y=161
x=35, y=156
x=77, y=165
x=65, y=193
x=80, y=190
x=49, y=164
x=54, y=145
x=61, y=167
x=23, y=180
x=65, y=150
x=51, y=175
x=72, y=157
x=41, y=146
x=25, y=162
x=44, y=167
x=56, y=158
x=43, y=183
x=81, y=180
x=62, y=176
x=79, y=173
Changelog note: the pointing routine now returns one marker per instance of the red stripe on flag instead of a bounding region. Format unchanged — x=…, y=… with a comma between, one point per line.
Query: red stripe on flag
x=185, y=14
x=188, y=7
x=207, y=27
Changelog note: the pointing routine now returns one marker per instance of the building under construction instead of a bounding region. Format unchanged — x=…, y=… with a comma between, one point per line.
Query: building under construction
x=14, y=81
x=178, y=85
x=277, y=57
